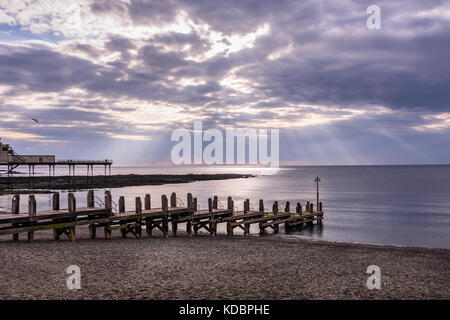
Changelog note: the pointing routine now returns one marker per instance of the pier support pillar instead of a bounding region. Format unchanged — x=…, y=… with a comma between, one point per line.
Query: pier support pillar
x=138, y=210
x=31, y=214
x=90, y=199
x=287, y=209
x=298, y=210
x=275, y=207
x=210, y=205
x=15, y=206
x=91, y=204
x=55, y=201
x=121, y=204
x=215, y=204
x=246, y=206
x=165, y=209
x=189, y=228
x=71, y=203
x=261, y=205
x=173, y=200
x=229, y=229
x=195, y=204
x=230, y=203
x=123, y=232
x=108, y=210
x=72, y=207
x=147, y=202
x=319, y=218
x=190, y=201
x=55, y=207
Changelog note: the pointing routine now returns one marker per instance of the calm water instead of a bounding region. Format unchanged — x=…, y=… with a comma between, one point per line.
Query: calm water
x=397, y=205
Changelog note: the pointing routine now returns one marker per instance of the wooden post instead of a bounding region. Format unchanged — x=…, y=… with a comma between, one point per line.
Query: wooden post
x=229, y=229
x=173, y=200
x=246, y=228
x=165, y=209
x=138, y=206
x=210, y=205
x=108, y=203
x=287, y=209
x=189, y=228
x=195, y=204
x=92, y=231
x=90, y=204
x=90, y=199
x=275, y=207
x=215, y=202
x=55, y=201
x=164, y=204
x=72, y=203
x=230, y=203
x=311, y=208
x=210, y=210
x=261, y=205
x=72, y=207
x=319, y=218
x=15, y=206
x=298, y=208
x=55, y=206
x=147, y=202
x=108, y=210
x=31, y=214
x=307, y=207
x=121, y=204
x=190, y=201
x=246, y=206
x=138, y=210
x=123, y=231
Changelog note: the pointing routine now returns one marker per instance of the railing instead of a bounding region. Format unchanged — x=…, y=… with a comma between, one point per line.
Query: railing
x=180, y=202
x=68, y=161
x=99, y=202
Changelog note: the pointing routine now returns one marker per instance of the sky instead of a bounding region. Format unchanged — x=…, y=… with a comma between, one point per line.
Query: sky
x=113, y=79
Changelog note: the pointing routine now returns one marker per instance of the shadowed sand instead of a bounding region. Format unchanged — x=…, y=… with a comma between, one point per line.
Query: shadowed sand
x=268, y=267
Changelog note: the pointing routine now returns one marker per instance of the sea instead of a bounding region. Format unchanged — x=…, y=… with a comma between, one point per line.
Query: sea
x=381, y=205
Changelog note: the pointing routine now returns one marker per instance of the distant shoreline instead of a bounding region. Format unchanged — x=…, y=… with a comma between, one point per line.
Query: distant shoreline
x=113, y=181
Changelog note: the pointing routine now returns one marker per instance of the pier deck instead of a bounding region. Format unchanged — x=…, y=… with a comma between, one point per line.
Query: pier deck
x=109, y=218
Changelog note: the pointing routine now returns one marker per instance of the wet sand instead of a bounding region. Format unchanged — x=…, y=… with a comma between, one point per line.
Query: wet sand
x=238, y=267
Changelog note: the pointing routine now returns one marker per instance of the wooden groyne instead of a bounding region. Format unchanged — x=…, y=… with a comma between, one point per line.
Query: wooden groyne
x=106, y=215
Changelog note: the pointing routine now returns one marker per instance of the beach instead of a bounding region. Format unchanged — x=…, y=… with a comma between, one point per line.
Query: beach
x=204, y=267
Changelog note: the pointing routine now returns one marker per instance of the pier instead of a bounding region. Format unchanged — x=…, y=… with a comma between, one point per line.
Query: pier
x=108, y=216
x=12, y=160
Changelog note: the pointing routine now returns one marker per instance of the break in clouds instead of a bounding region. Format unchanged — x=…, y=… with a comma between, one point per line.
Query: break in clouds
x=112, y=77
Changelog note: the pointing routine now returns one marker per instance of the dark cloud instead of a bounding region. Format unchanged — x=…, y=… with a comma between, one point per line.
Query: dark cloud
x=41, y=69
x=316, y=53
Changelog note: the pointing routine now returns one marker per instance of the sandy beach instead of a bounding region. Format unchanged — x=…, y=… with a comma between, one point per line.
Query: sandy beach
x=238, y=267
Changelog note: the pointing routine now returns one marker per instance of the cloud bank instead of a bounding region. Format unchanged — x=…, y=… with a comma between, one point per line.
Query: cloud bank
x=107, y=78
